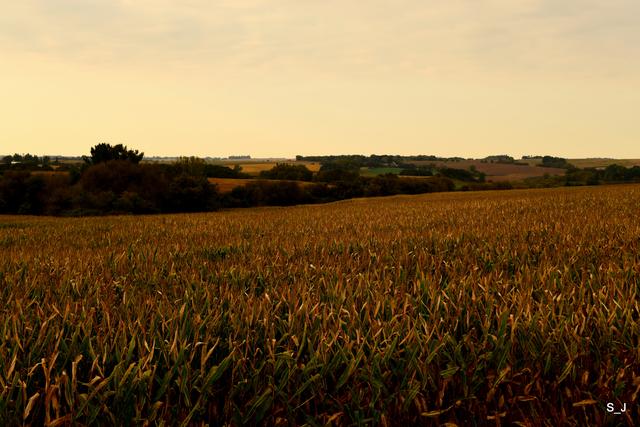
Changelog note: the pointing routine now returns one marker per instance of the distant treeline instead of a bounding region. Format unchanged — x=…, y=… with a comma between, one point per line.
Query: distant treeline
x=112, y=180
x=114, y=186
x=375, y=160
x=465, y=175
x=612, y=174
x=25, y=161
x=283, y=193
x=120, y=186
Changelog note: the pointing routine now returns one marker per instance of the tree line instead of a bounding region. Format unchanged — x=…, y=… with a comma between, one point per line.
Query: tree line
x=113, y=180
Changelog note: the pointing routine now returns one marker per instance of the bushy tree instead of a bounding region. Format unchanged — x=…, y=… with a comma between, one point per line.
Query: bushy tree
x=104, y=152
x=187, y=193
x=122, y=186
x=417, y=171
x=338, y=171
x=555, y=162
x=615, y=173
x=13, y=188
x=459, y=174
x=194, y=166
x=500, y=158
x=259, y=193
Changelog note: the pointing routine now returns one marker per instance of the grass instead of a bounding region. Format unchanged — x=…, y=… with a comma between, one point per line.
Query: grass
x=491, y=308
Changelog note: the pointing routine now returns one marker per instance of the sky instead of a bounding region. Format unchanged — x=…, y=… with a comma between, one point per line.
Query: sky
x=277, y=78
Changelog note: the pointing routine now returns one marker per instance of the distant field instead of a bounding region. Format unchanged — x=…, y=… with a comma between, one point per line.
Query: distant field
x=600, y=163
x=255, y=167
x=485, y=308
x=593, y=163
x=379, y=171
x=498, y=172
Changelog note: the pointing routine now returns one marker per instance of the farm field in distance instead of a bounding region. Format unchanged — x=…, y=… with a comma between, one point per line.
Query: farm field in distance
x=597, y=162
x=498, y=172
x=254, y=167
x=495, y=172
x=489, y=308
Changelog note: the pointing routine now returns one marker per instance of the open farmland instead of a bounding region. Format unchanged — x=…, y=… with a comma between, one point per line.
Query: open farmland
x=592, y=162
x=603, y=163
x=254, y=167
x=491, y=308
x=498, y=172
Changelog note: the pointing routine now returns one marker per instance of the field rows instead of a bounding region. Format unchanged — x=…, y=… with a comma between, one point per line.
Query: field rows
x=490, y=308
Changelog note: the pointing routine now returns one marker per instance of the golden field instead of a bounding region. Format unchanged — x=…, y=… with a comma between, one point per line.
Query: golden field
x=491, y=308
x=254, y=167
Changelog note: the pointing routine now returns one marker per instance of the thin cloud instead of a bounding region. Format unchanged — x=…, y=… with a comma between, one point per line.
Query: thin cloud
x=410, y=34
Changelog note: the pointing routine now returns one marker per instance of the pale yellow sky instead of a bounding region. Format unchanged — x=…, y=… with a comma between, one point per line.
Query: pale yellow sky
x=277, y=78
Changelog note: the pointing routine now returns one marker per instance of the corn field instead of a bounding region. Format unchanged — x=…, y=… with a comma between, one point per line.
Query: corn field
x=491, y=308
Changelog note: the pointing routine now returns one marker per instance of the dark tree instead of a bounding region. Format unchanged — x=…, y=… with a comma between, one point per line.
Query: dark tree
x=195, y=166
x=339, y=170
x=459, y=174
x=288, y=172
x=555, y=162
x=188, y=193
x=615, y=173
x=104, y=152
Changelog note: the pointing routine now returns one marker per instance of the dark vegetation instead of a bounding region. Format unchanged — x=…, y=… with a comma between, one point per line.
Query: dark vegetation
x=198, y=167
x=26, y=161
x=503, y=159
x=114, y=180
x=551, y=162
x=376, y=160
x=500, y=158
x=466, y=175
x=462, y=174
x=417, y=171
x=105, y=152
x=288, y=172
x=612, y=174
x=555, y=162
